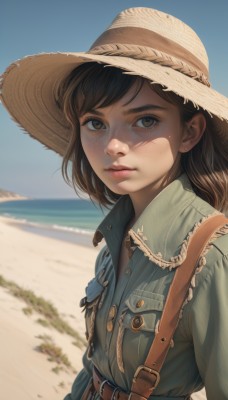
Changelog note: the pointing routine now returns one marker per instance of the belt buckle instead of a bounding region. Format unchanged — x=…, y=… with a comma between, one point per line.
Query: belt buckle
x=116, y=389
x=151, y=371
x=102, y=387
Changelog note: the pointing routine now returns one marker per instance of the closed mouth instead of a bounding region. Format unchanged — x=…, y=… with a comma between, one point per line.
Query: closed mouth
x=119, y=168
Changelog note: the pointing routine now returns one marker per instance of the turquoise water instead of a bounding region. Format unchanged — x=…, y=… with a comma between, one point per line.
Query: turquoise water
x=66, y=219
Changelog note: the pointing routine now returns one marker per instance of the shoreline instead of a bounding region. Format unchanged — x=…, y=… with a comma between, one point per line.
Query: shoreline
x=55, y=230
x=77, y=238
x=13, y=198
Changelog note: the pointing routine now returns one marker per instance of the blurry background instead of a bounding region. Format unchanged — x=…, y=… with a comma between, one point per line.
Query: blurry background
x=29, y=26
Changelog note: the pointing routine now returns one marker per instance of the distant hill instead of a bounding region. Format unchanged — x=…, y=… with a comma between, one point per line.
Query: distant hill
x=5, y=194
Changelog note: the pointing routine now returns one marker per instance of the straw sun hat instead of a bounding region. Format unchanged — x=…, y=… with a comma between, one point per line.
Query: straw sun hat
x=141, y=41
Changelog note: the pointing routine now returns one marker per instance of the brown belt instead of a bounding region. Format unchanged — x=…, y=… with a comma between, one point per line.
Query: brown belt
x=107, y=391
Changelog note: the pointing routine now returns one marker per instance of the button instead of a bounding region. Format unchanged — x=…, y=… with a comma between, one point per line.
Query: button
x=137, y=322
x=112, y=312
x=109, y=227
x=140, y=303
x=111, y=316
x=110, y=326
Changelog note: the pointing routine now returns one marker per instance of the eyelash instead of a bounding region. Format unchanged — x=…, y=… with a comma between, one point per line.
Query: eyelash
x=90, y=120
x=155, y=121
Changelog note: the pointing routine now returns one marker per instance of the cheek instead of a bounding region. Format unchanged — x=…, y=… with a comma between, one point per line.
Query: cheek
x=172, y=141
x=86, y=145
x=157, y=148
x=161, y=153
x=91, y=149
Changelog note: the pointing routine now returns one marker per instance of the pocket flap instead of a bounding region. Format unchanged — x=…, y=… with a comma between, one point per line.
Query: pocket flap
x=144, y=310
x=93, y=290
x=142, y=300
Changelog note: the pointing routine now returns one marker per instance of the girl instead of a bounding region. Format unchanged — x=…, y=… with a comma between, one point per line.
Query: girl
x=141, y=130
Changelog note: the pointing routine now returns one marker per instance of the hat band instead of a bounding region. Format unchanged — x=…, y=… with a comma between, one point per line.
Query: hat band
x=143, y=44
x=148, y=54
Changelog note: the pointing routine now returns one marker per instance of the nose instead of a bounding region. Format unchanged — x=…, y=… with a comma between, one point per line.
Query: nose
x=116, y=147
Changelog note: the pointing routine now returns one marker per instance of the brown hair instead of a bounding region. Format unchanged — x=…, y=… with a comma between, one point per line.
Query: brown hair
x=91, y=85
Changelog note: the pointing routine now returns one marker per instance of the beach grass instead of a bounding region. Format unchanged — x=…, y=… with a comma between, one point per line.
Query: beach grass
x=55, y=353
x=44, y=308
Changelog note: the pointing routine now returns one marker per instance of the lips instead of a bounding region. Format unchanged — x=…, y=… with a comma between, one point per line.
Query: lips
x=119, y=168
x=119, y=172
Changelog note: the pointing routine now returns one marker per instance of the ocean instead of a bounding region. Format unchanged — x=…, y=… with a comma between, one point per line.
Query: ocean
x=72, y=220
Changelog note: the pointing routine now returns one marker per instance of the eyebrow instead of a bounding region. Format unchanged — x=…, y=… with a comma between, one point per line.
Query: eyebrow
x=135, y=110
x=94, y=111
x=146, y=107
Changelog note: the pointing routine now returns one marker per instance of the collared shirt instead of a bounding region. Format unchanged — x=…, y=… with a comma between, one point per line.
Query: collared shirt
x=122, y=316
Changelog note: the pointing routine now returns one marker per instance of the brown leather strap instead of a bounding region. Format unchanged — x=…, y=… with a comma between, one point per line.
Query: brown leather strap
x=108, y=391
x=147, y=376
x=105, y=389
x=89, y=391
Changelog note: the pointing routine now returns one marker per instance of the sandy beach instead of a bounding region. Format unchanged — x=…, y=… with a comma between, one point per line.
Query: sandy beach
x=57, y=271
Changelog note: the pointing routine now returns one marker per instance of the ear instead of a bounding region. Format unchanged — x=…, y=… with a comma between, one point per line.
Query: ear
x=193, y=131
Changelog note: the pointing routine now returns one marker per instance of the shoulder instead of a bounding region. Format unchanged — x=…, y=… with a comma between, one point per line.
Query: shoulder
x=208, y=290
x=214, y=259
x=220, y=245
x=217, y=247
x=211, y=277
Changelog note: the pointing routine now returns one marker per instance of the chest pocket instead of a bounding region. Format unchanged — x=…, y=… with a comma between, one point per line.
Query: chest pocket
x=137, y=326
x=93, y=300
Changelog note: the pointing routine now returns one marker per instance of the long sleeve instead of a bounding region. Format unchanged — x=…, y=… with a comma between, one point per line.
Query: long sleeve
x=81, y=381
x=208, y=323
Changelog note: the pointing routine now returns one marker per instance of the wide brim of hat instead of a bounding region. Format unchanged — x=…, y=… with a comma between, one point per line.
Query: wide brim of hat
x=29, y=86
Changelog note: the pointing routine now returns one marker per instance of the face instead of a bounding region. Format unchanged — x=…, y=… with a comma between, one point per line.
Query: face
x=133, y=144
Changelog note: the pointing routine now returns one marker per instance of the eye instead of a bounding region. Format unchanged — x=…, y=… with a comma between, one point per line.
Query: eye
x=94, y=124
x=146, y=122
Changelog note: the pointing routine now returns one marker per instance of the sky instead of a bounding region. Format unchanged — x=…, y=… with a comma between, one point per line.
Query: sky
x=30, y=27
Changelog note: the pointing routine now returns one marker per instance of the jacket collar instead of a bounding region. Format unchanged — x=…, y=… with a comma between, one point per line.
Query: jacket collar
x=162, y=230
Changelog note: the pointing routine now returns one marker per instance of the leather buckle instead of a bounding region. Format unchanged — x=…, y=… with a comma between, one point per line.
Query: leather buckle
x=151, y=371
x=102, y=387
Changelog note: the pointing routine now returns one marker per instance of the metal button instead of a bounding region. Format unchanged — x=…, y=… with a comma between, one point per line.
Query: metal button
x=110, y=326
x=137, y=322
x=140, y=303
x=111, y=316
x=112, y=312
x=109, y=227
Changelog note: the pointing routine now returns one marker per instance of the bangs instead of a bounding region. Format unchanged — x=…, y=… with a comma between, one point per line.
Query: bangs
x=96, y=85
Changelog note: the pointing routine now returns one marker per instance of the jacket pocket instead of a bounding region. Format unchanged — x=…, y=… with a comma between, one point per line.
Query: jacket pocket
x=137, y=326
x=145, y=305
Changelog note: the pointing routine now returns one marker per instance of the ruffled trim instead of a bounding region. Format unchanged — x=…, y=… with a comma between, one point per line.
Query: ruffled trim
x=202, y=263
x=157, y=258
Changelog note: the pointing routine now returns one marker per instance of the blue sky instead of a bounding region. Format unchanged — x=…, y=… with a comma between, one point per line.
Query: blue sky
x=29, y=27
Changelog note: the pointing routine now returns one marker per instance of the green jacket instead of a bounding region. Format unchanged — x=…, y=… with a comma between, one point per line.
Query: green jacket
x=121, y=317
